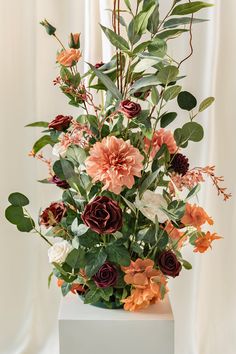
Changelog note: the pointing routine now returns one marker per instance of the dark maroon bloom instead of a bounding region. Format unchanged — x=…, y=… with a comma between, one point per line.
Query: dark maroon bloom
x=169, y=264
x=52, y=215
x=130, y=109
x=180, y=164
x=60, y=122
x=106, y=276
x=98, y=65
x=103, y=215
x=142, y=95
x=59, y=183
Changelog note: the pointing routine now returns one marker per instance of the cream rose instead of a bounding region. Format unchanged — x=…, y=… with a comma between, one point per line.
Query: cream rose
x=150, y=206
x=59, y=251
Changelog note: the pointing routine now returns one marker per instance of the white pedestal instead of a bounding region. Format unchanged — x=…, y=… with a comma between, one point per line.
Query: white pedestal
x=92, y=330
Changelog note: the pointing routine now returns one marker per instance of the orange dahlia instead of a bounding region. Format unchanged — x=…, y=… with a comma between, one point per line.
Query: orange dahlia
x=159, y=138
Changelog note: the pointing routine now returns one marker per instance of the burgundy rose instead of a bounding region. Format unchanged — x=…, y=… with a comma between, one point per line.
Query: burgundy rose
x=59, y=183
x=103, y=215
x=169, y=264
x=52, y=215
x=106, y=276
x=98, y=65
x=60, y=122
x=130, y=109
x=142, y=95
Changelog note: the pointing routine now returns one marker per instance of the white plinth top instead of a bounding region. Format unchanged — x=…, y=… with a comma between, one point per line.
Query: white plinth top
x=73, y=308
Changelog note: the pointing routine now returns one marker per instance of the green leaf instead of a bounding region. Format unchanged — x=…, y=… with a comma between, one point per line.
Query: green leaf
x=129, y=204
x=65, y=288
x=145, y=64
x=168, y=74
x=64, y=169
x=193, y=192
x=38, y=124
x=187, y=265
x=157, y=47
x=18, y=199
x=147, y=182
x=171, y=92
x=106, y=293
x=116, y=39
x=128, y=4
x=76, y=155
x=107, y=82
x=154, y=20
x=92, y=296
x=118, y=254
x=26, y=224
x=150, y=80
x=141, y=47
x=168, y=118
x=176, y=22
x=155, y=97
x=43, y=141
x=189, y=8
x=76, y=259
x=50, y=279
x=186, y=101
x=78, y=230
x=94, y=261
x=60, y=269
x=141, y=20
x=168, y=34
x=206, y=103
x=193, y=131
x=14, y=214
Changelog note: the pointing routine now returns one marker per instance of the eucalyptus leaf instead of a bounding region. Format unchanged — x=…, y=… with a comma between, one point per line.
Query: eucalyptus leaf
x=168, y=118
x=186, y=101
x=18, y=199
x=206, y=103
x=171, y=92
x=168, y=74
x=193, y=131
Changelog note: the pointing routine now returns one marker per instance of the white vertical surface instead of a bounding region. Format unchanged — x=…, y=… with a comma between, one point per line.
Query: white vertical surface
x=203, y=299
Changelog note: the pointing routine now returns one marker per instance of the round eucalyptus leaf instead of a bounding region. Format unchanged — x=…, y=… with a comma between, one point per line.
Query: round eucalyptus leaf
x=26, y=225
x=193, y=131
x=18, y=199
x=186, y=101
x=14, y=214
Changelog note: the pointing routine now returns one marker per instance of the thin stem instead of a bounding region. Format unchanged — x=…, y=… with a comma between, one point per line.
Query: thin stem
x=190, y=41
x=59, y=41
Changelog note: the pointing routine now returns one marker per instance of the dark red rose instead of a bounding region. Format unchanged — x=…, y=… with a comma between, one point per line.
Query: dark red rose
x=52, y=215
x=98, y=65
x=169, y=264
x=60, y=122
x=59, y=183
x=103, y=215
x=142, y=95
x=106, y=276
x=130, y=109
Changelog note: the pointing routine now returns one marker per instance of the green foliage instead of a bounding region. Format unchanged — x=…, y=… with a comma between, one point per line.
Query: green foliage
x=206, y=103
x=186, y=101
x=18, y=199
x=168, y=74
x=94, y=260
x=189, y=8
x=168, y=118
x=118, y=254
x=42, y=142
x=176, y=22
x=40, y=124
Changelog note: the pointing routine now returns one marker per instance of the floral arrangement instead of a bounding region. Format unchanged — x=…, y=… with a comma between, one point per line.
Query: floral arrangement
x=116, y=234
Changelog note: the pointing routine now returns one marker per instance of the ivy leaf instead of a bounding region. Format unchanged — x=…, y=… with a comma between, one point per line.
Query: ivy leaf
x=107, y=82
x=189, y=8
x=76, y=259
x=118, y=254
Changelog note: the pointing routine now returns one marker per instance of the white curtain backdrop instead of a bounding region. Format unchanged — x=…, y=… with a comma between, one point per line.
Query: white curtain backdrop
x=202, y=299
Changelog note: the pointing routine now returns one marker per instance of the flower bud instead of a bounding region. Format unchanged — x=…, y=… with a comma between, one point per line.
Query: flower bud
x=74, y=41
x=48, y=27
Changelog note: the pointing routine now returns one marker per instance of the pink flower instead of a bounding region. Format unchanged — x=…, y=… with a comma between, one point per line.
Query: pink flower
x=69, y=57
x=114, y=162
x=159, y=138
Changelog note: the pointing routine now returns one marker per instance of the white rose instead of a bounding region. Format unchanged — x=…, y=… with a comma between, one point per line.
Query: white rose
x=59, y=150
x=150, y=205
x=59, y=251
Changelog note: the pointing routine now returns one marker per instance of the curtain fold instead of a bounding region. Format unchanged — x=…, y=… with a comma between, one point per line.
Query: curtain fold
x=202, y=299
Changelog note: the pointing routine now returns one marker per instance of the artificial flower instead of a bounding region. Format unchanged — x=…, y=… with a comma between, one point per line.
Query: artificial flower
x=59, y=183
x=106, y=276
x=179, y=163
x=60, y=122
x=150, y=206
x=69, y=57
x=130, y=109
x=138, y=273
x=99, y=65
x=175, y=234
x=195, y=216
x=114, y=162
x=48, y=27
x=159, y=138
x=59, y=252
x=169, y=264
x=52, y=215
x=75, y=288
x=103, y=215
x=74, y=41
x=204, y=242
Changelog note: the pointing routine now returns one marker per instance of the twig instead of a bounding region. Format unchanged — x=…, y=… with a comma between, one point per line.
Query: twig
x=190, y=41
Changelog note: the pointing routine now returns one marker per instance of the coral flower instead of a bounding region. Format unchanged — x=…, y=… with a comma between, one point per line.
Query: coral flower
x=202, y=243
x=159, y=138
x=141, y=298
x=114, y=162
x=175, y=234
x=195, y=216
x=69, y=57
x=139, y=272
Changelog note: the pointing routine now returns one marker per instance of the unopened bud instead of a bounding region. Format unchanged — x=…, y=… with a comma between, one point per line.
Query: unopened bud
x=48, y=27
x=74, y=40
